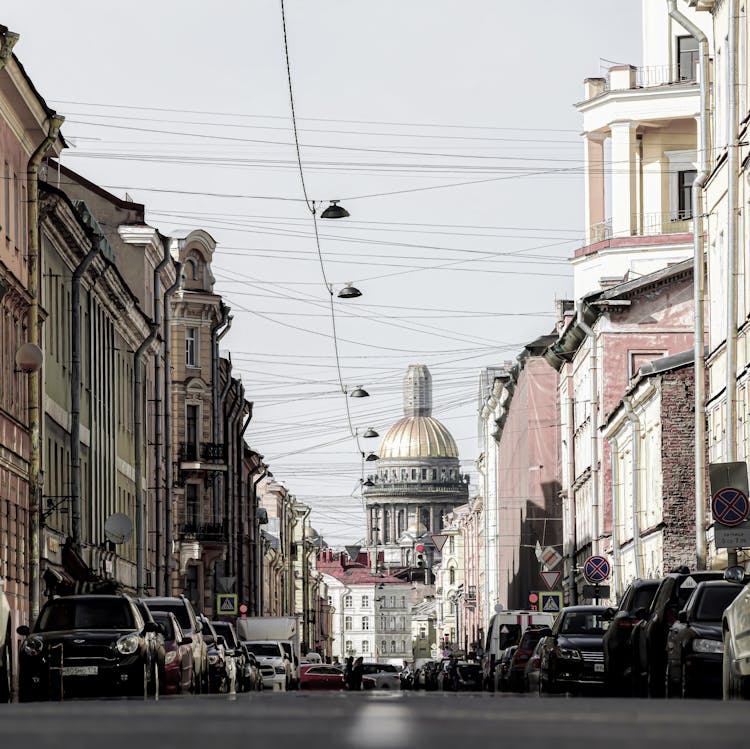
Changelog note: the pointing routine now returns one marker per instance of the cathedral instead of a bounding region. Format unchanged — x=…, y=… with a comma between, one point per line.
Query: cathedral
x=418, y=481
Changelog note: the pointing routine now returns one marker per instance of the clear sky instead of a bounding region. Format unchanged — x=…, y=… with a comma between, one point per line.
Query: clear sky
x=180, y=102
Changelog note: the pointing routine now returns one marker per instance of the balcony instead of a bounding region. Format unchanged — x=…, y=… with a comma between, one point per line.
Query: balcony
x=206, y=532
x=404, y=488
x=623, y=77
x=208, y=456
x=650, y=225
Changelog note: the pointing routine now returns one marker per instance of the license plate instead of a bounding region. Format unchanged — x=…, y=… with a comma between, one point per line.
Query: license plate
x=80, y=670
x=599, y=668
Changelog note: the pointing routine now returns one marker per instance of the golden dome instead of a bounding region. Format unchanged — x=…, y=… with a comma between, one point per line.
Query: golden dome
x=417, y=437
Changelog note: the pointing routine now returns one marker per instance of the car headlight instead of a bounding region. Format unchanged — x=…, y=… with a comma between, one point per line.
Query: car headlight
x=213, y=660
x=170, y=657
x=279, y=669
x=571, y=654
x=128, y=644
x=33, y=645
x=701, y=645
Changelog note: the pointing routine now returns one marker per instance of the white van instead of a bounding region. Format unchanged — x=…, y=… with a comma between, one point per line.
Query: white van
x=505, y=630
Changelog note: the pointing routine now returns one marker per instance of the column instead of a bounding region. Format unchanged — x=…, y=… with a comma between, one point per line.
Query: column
x=594, y=187
x=624, y=178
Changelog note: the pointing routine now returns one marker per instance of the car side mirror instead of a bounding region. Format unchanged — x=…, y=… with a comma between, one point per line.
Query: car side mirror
x=735, y=574
x=151, y=627
x=23, y=630
x=682, y=617
x=609, y=614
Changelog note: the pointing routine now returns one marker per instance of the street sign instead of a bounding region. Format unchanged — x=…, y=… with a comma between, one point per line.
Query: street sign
x=730, y=506
x=533, y=597
x=550, y=602
x=439, y=540
x=726, y=537
x=550, y=579
x=226, y=603
x=596, y=592
x=353, y=552
x=596, y=569
x=551, y=557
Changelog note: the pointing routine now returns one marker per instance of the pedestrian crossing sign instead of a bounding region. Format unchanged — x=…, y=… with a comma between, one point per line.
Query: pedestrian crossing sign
x=550, y=601
x=226, y=603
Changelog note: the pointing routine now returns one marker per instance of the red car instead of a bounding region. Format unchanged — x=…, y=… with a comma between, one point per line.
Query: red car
x=320, y=676
x=179, y=665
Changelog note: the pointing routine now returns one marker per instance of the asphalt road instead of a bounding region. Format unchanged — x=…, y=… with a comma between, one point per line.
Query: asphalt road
x=375, y=720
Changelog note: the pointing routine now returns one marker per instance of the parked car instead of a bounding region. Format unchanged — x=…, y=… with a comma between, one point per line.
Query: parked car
x=87, y=645
x=6, y=650
x=650, y=635
x=385, y=675
x=618, y=639
x=156, y=644
x=185, y=614
x=521, y=656
x=736, y=637
x=252, y=676
x=179, y=664
x=232, y=644
x=469, y=676
x=572, y=656
x=222, y=673
x=531, y=672
x=274, y=663
x=320, y=676
x=694, y=643
x=502, y=670
x=430, y=675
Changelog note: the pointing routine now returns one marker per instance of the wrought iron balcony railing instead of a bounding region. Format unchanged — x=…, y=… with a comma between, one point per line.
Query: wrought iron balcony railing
x=211, y=452
x=204, y=531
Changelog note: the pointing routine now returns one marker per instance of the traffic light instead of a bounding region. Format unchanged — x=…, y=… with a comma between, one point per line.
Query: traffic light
x=419, y=556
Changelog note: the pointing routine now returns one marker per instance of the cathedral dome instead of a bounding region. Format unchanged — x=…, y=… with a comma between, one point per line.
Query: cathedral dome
x=417, y=437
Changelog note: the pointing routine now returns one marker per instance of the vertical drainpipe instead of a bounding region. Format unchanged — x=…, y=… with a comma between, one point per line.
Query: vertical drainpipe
x=572, y=588
x=140, y=503
x=216, y=336
x=75, y=391
x=260, y=550
x=699, y=281
x=34, y=392
x=159, y=425
x=230, y=480
x=168, y=520
x=635, y=439
x=616, y=565
x=241, y=535
x=594, y=403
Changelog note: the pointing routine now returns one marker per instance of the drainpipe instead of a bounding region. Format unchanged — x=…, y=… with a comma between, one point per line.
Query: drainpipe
x=595, y=503
x=572, y=588
x=616, y=566
x=259, y=549
x=168, y=520
x=221, y=416
x=231, y=485
x=75, y=392
x=159, y=425
x=34, y=393
x=242, y=535
x=699, y=281
x=140, y=503
x=216, y=336
x=635, y=437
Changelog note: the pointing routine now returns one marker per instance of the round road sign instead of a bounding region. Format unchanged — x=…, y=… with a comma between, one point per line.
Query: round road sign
x=730, y=506
x=533, y=597
x=596, y=569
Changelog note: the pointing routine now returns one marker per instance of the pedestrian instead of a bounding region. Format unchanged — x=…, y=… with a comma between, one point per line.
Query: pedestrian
x=348, y=672
x=358, y=670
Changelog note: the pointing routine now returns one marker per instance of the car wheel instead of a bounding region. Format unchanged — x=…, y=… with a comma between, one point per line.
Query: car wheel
x=6, y=670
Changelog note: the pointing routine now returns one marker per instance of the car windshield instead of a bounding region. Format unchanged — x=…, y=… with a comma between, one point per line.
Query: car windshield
x=643, y=597
x=161, y=617
x=713, y=602
x=583, y=623
x=179, y=610
x=104, y=613
x=265, y=649
x=530, y=638
x=226, y=631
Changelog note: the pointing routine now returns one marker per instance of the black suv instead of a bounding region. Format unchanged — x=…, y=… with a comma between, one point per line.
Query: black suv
x=650, y=635
x=618, y=642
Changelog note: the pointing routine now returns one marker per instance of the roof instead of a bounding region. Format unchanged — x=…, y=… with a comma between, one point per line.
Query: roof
x=357, y=574
x=417, y=437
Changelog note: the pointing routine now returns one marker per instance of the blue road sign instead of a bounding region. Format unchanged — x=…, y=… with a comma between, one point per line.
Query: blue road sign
x=730, y=506
x=596, y=569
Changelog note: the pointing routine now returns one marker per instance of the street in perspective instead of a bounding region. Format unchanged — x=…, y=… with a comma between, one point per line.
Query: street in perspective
x=375, y=374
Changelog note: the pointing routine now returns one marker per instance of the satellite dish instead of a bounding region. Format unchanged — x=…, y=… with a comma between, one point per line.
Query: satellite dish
x=118, y=528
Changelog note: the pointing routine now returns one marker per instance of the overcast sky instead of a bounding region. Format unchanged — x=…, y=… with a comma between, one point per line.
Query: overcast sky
x=182, y=103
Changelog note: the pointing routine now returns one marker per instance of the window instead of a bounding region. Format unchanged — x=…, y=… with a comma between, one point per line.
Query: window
x=348, y=623
x=383, y=646
x=365, y=622
x=424, y=474
x=347, y=602
x=192, y=512
x=392, y=602
x=400, y=522
x=349, y=646
x=365, y=646
x=393, y=646
x=452, y=545
x=191, y=335
x=403, y=602
x=413, y=474
x=685, y=179
x=452, y=576
x=687, y=58
x=191, y=432
x=365, y=602
x=403, y=646
x=383, y=622
x=404, y=474
x=422, y=632
x=434, y=474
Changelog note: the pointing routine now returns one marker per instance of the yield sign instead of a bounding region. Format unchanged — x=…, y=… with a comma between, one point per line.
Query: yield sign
x=353, y=552
x=551, y=579
x=730, y=506
x=439, y=540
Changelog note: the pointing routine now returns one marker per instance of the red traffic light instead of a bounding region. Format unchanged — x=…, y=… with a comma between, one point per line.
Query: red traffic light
x=419, y=548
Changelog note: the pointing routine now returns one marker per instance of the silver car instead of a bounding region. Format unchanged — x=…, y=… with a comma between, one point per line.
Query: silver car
x=736, y=635
x=385, y=675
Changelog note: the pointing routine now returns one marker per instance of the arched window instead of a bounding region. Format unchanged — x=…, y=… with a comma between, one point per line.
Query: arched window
x=365, y=622
x=348, y=623
x=383, y=621
x=451, y=575
x=383, y=647
x=403, y=646
x=393, y=646
x=347, y=602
